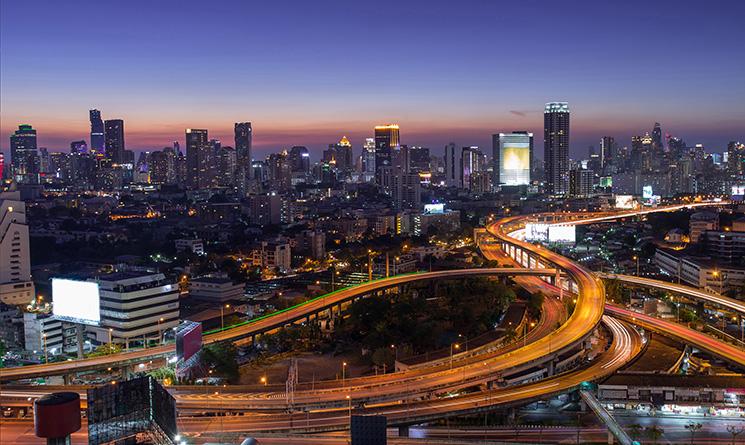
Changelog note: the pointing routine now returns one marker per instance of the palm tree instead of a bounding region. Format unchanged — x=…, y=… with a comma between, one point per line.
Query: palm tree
x=655, y=432
x=693, y=427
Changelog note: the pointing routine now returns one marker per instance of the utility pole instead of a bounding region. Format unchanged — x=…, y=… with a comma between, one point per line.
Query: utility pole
x=292, y=379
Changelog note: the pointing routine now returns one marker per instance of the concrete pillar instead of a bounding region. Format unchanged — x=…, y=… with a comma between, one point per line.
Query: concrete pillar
x=403, y=431
x=611, y=439
x=67, y=379
x=80, y=339
x=551, y=367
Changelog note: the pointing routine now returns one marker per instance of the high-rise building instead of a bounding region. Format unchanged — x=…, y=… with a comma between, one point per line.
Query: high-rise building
x=419, y=159
x=243, y=140
x=657, y=137
x=97, y=131
x=299, y=159
x=114, y=140
x=513, y=157
x=387, y=140
x=580, y=182
x=24, y=156
x=197, y=158
x=736, y=159
x=368, y=159
x=472, y=160
x=343, y=155
x=556, y=147
x=16, y=286
x=453, y=170
x=607, y=151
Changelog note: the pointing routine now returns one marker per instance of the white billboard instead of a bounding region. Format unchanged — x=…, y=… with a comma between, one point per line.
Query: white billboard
x=76, y=301
x=536, y=232
x=625, y=202
x=562, y=234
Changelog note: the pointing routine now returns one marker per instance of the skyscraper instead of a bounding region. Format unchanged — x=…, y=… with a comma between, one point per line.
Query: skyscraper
x=472, y=160
x=97, y=130
x=368, y=159
x=386, y=141
x=24, y=155
x=657, y=137
x=114, y=140
x=243, y=138
x=607, y=152
x=513, y=157
x=556, y=147
x=197, y=158
x=453, y=169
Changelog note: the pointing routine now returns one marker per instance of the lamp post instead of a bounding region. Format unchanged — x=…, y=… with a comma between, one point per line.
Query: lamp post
x=46, y=354
x=636, y=258
x=457, y=346
x=111, y=345
x=395, y=353
x=263, y=380
x=369, y=265
x=222, y=315
x=343, y=373
x=160, y=332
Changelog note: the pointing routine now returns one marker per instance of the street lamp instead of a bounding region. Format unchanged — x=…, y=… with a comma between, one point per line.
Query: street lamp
x=457, y=346
x=111, y=332
x=369, y=265
x=395, y=353
x=636, y=258
x=343, y=373
x=46, y=355
x=222, y=315
x=160, y=333
x=263, y=380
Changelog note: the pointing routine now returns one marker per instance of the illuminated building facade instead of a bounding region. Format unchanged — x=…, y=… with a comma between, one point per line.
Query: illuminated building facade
x=513, y=158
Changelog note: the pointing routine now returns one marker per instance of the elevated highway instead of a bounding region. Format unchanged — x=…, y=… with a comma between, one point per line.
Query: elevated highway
x=261, y=325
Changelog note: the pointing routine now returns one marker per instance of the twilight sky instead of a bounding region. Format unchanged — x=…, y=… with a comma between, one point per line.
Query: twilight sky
x=308, y=72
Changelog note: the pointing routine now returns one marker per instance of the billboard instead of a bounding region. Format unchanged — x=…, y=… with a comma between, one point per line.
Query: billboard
x=738, y=192
x=122, y=410
x=188, y=340
x=76, y=301
x=434, y=209
x=514, y=158
x=625, y=202
x=536, y=232
x=647, y=192
x=562, y=234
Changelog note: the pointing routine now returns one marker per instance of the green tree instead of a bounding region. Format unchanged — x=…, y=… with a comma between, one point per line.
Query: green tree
x=654, y=432
x=635, y=429
x=222, y=357
x=693, y=428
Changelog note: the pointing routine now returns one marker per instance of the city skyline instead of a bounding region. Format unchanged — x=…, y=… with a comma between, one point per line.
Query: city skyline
x=307, y=75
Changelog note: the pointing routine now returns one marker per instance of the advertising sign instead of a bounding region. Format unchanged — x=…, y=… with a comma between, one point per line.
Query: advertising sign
x=76, y=301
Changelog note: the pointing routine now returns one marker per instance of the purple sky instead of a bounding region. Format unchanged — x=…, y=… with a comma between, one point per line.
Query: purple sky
x=306, y=73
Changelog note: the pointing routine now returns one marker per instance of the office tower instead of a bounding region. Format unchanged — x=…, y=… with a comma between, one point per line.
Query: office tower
x=419, y=159
x=279, y=172
x=556, y=147
x=676, y=146
x=657, y=137
x=114, y=140
x=227, y=161
x=386, y=142
x=197, y=158
x=2, y=166
x=97, y=131
x=299, y=159
x=78, y=147
x=472, y=161
x=43, y=161
x=368, y=159
x=453, y=170
x=513, y=157
x=343, y=155
x=607, y=151
x=243, y=139
x=24, y=156
x=16, y=287
x=736, y=159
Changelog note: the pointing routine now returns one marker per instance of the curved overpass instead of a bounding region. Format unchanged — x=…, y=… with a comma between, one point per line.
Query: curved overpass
x=687, y=291
x=259, y=325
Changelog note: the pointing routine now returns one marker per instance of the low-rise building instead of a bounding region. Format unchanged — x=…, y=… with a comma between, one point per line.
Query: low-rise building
x=216, y=289
x=193, y=245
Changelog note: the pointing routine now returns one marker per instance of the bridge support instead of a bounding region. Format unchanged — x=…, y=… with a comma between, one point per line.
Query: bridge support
x=403, y=431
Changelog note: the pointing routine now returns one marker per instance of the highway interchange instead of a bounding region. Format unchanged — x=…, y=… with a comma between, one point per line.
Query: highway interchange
x=416, y=396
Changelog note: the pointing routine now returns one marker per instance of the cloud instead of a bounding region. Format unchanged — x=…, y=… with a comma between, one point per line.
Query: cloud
x=519, y=113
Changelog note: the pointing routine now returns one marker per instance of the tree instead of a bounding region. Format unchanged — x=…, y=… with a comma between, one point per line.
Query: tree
x=693, y=428
x=735, y=431
x=655, y=432
x=635, y=430
x=222, y=358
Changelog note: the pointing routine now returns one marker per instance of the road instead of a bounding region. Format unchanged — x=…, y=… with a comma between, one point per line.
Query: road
x=254, y=327
x=687, y=291
x=681, y=333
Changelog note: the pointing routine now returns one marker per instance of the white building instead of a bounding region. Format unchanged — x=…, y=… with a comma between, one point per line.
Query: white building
x=192, y=245
x=136, y=306
x=216, y=289
x=16, y=287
